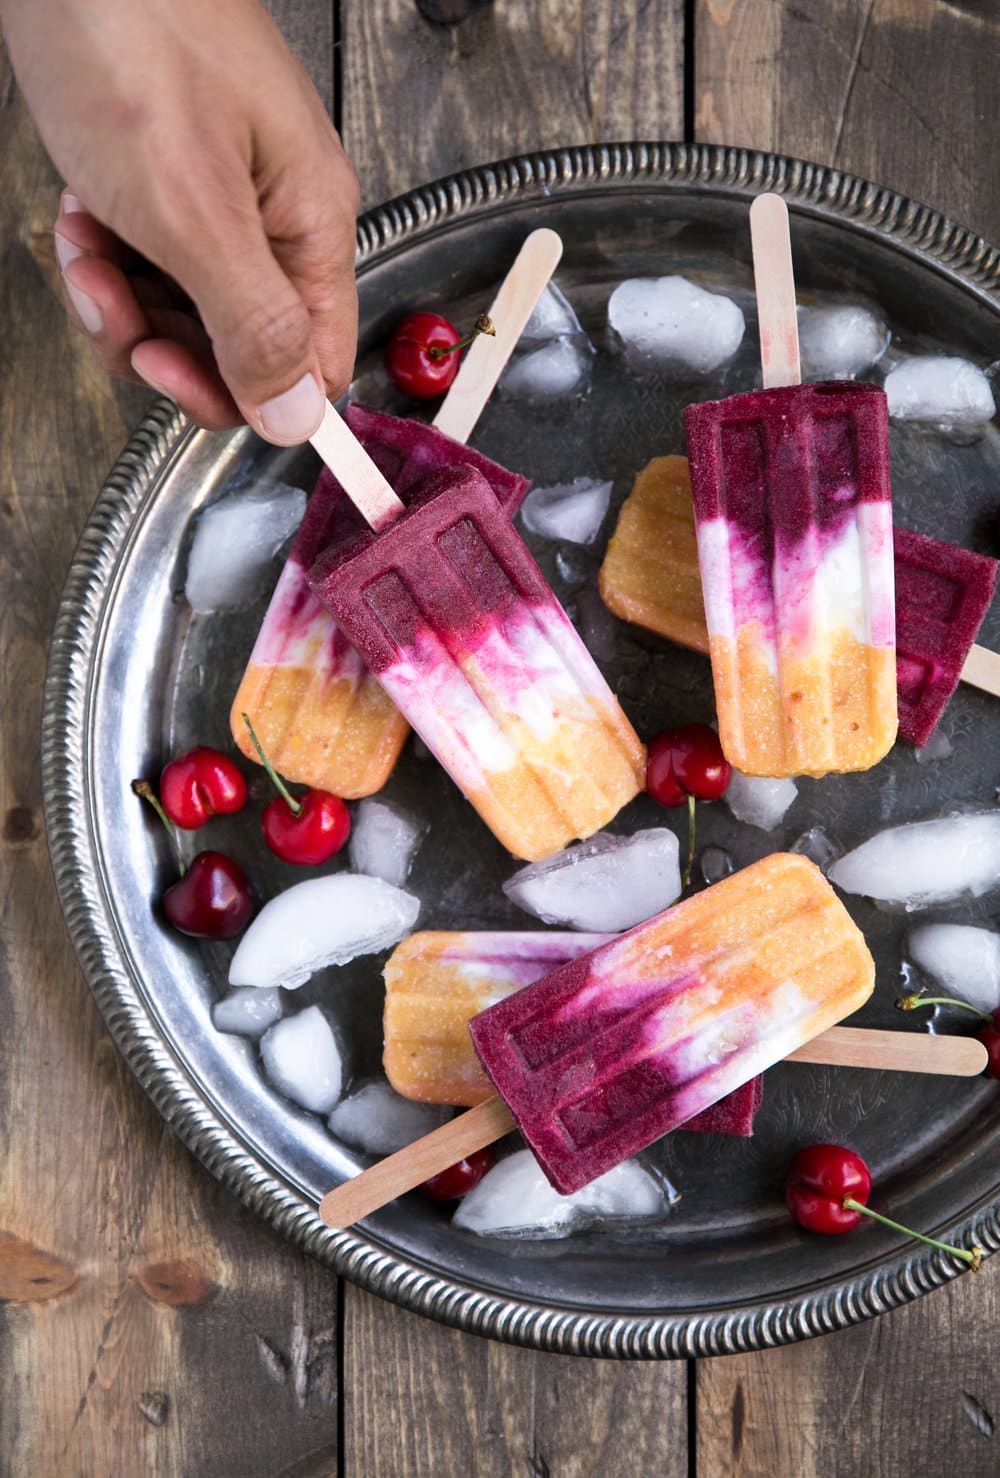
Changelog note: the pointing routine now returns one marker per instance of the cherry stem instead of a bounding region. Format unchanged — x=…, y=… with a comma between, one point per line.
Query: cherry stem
x=685, y=880
x=145, y=790
x=910, y=1003
x=293, y=805
x=482, y=325
x=972, y=1255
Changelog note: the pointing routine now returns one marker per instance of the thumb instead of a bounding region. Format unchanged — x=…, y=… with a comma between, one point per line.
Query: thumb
x=261, y=332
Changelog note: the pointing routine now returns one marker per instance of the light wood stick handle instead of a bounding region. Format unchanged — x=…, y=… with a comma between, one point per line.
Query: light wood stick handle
x=775, y=286
x=982, y=670
x=355, y=471
x=901, y=1052
x=487, y=355
x=409, y=1167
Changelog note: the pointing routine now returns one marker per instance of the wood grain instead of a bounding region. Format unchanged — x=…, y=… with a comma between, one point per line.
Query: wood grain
x=910, y=1395
x=422, y=1399
x=146, y=1320
x=422, y=100
x=889, y=89
x=900, y=91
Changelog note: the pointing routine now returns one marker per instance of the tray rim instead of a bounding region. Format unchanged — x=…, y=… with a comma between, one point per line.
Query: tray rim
x=944, y=245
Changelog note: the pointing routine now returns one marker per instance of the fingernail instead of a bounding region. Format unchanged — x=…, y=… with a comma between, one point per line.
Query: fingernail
x=89, y=313
x=295, y=415
x=70, y=203
x=66, y=251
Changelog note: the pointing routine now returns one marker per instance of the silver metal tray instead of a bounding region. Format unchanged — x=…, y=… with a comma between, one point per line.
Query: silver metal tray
x=133, y=677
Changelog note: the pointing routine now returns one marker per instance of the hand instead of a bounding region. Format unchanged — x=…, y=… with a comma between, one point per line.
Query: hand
x=206, y=239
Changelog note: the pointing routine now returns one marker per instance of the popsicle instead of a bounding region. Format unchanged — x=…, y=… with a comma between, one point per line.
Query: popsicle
x=321, y=717
x=942, y=595
x=454, y=618
x=616, y=1049
x=793, y=518
x=436, y=980
x=612, y=1050
x=650, y=576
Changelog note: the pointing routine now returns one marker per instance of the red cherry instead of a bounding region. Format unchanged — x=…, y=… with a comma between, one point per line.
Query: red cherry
x=990, y=1038
x=311, y=835
x=687, y=761
x=409, y=362
x=200, y=784
x=213, y=900
x=459, y=1178
x=827, y=1190
x=819, y=1178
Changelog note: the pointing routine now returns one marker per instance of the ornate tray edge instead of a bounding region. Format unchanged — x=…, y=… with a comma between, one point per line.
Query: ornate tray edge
x=896, y=1280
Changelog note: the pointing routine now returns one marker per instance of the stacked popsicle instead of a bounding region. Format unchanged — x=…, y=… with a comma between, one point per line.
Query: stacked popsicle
x=793, y=517
x=457, y=623
x=435, y=981
x=650, y=576
x=321, y=717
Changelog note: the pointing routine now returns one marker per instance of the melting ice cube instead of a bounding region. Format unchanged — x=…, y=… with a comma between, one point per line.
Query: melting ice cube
x=669, y=320
x=515, y=1200
x=759, y=801
x=572, y=512
x=941, y=390
x=302, y=1060
x=602, y=885
x=925, y=862
x=235, y=541
x=385, y=839
x=961, y=959
x=379, y=1121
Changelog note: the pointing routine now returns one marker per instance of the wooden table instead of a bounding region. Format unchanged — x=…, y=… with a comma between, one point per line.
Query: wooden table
x=150, y=1325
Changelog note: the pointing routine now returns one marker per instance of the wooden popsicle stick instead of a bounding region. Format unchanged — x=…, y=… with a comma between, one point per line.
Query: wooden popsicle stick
x=355, y=471
x=487, y=355
x=982, y=670
x=775, y=287
x=841, y=1046
x=900, y=1052
x=409, y=1167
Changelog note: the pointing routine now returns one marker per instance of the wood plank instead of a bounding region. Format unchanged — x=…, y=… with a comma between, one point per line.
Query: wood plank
x=894, y=90
x=146, y=1320
x=888, y=89
x=422, y=1399
x=910, y=1394
x=423, y=100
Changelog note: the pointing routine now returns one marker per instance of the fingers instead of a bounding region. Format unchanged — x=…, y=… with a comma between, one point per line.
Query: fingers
x=190, y=377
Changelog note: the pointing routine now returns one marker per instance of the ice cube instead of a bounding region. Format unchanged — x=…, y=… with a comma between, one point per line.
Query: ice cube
x=323, y=921
x=838, y=343
x=669, y=320
x=572, y=512
x=379, y=1121
x=246, y=1012
x=759, y=801
x=385, y=839
x=602, y=885
x=553, y=318
x=941, y=390
x=556, y=370
x=715, y=863
x=925, y=862
x=961, y=959
x=515, y=1200
x=938, y=747
x=301, y=1058
x=598, y=627
x=235, y=541
x=818, y=847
